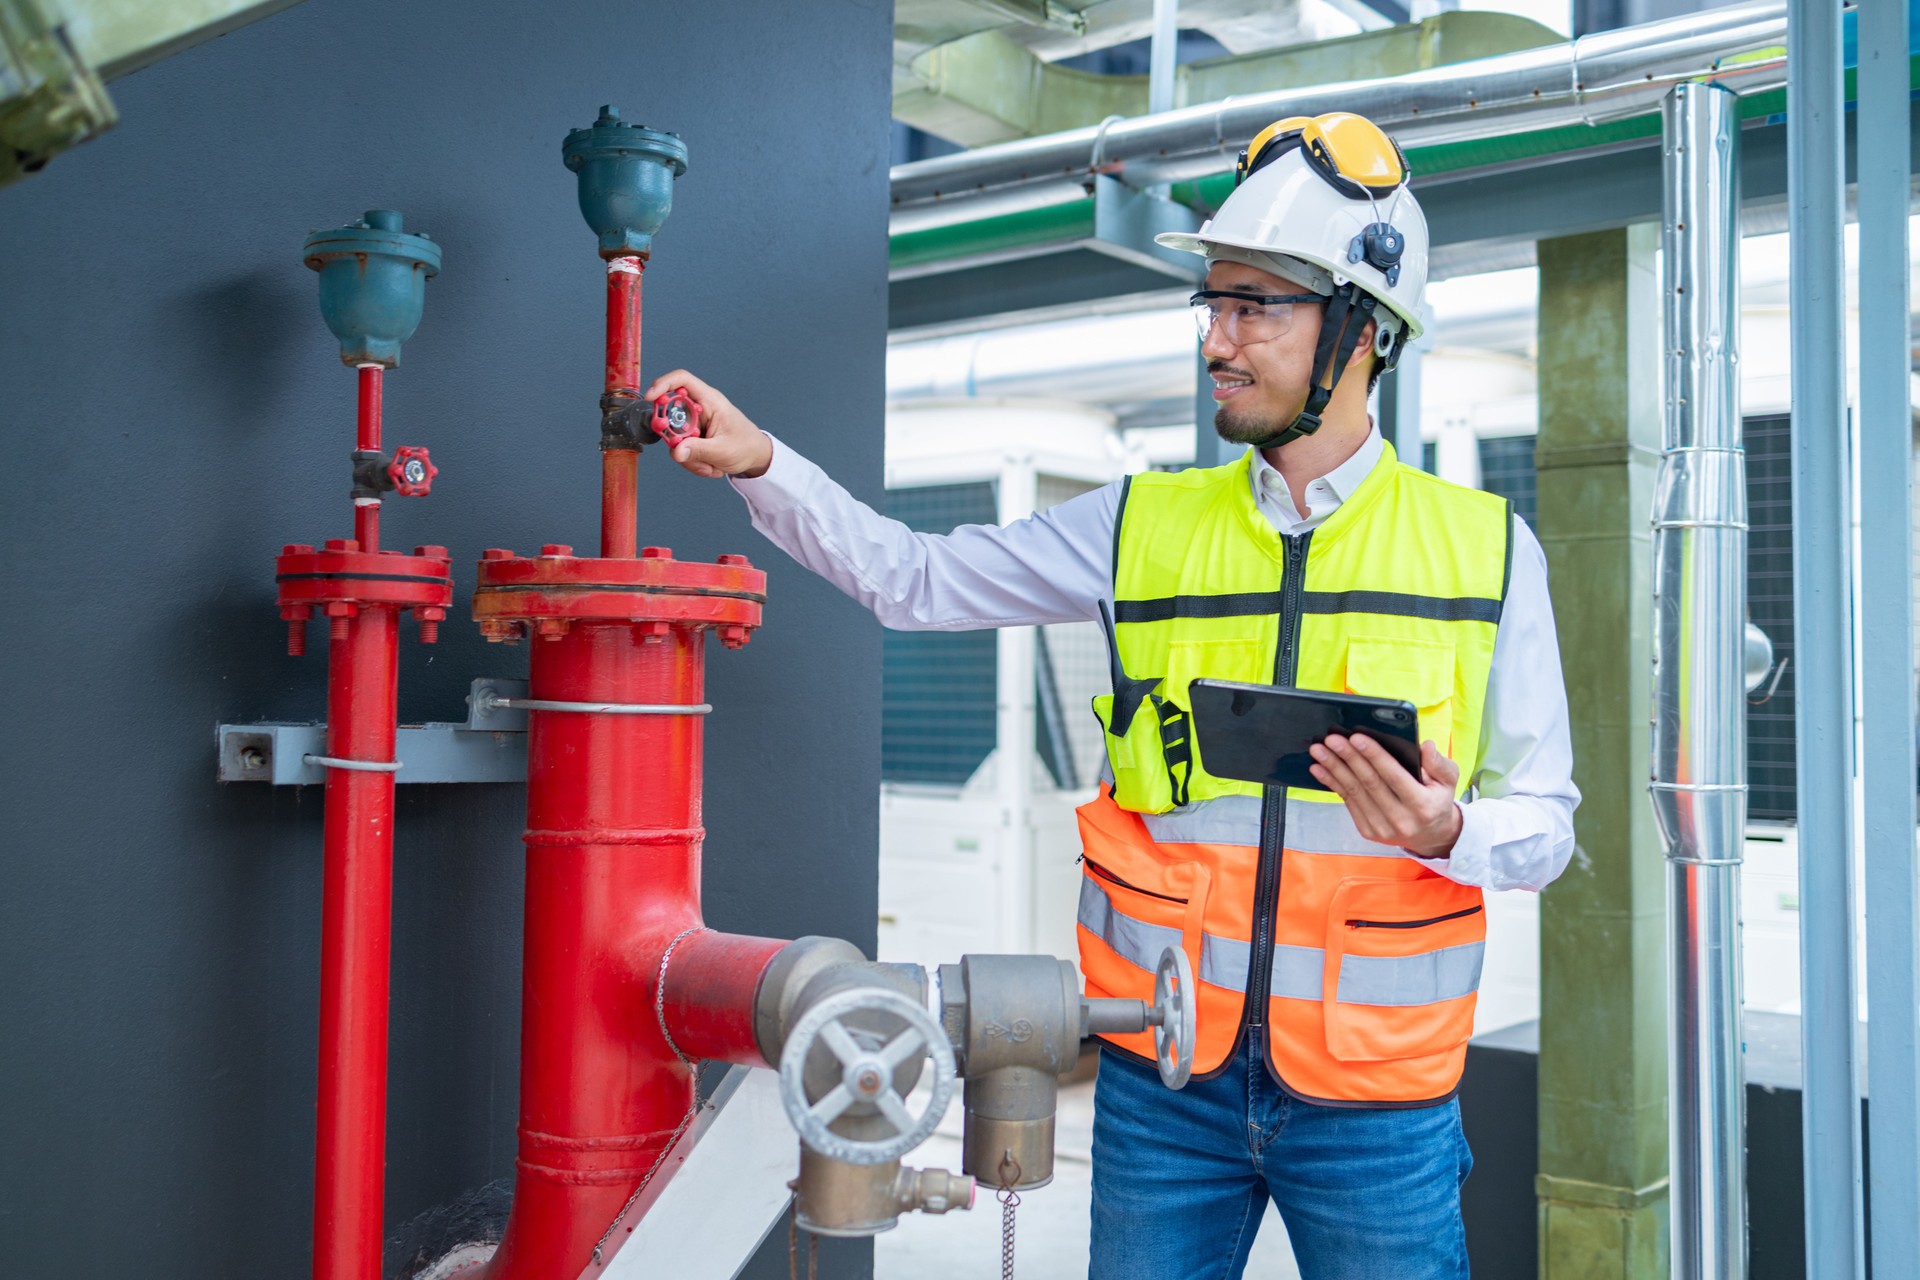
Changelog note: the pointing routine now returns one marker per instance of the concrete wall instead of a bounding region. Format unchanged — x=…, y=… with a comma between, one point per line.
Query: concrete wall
x=172, y=410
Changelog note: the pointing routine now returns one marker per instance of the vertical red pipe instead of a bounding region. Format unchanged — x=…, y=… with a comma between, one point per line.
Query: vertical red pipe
x=355, y=927
x=613, y=877
x=366, y=511
x=620, y=468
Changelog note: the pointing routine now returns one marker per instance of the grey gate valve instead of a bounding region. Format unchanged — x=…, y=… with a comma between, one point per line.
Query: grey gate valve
x=1175, y=1017
x=863, y=1074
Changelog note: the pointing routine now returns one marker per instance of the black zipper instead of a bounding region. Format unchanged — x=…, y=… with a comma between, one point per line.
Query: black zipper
x=1411, y=924
x=1105, y=874
x=1273, y=801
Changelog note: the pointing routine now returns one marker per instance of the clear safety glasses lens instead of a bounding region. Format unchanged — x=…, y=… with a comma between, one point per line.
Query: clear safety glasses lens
x=1246, y=318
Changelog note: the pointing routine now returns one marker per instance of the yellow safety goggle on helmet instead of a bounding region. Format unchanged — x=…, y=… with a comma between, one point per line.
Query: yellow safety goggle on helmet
x=1353, y=154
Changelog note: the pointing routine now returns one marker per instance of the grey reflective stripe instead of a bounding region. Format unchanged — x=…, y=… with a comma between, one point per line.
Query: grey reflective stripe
x=1134, y=940
x=1327, y=827
x=1312, y=826
x=1297, y=972
x=1224, y=961
x=1221, y=820
x=1446, y=974
x=1402, y=604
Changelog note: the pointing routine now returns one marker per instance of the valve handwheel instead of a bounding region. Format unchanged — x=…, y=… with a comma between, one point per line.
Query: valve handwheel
x=676, y=417
x=1178, y=1016
x=863, y=1069
x=412, y=471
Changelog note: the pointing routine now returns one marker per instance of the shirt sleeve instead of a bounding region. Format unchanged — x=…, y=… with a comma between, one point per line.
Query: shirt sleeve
x=1051, y=567
x=1517, y=830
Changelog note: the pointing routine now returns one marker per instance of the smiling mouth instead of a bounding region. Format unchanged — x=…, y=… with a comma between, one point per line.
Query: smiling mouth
x=1228, y=383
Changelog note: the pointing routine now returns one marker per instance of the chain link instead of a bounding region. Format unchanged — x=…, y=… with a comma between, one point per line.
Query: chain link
x=1009, y=1201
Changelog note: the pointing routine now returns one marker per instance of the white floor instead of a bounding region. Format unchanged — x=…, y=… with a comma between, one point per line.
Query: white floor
x=1050, y=1241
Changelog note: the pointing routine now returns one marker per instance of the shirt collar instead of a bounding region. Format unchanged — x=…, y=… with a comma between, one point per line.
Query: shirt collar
x=1343, y=480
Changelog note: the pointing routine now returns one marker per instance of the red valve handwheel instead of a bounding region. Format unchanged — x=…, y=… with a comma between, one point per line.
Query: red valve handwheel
x=412, y=471
x=676, y=417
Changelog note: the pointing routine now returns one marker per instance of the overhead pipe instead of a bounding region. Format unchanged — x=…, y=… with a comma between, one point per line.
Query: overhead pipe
x=1596, y=78
x=1699, y=785
x=372, y=288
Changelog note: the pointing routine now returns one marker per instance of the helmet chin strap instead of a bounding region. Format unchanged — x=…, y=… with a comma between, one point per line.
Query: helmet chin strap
x=1346, y=318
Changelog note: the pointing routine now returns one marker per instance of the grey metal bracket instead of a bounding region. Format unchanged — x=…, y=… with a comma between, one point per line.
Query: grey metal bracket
x=1125, y=221
x=491, y=746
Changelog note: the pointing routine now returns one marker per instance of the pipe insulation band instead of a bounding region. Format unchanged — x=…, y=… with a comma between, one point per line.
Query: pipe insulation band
x=601, y=708
x=359, y=766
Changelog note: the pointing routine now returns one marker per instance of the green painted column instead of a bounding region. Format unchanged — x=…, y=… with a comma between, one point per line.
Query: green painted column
x=1602, y=1186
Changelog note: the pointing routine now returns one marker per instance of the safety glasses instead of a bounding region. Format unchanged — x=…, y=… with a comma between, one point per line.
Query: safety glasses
x=1350, y=152
x=1246, y=318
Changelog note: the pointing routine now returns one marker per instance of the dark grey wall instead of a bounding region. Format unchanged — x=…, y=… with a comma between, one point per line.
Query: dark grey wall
x=172, y=410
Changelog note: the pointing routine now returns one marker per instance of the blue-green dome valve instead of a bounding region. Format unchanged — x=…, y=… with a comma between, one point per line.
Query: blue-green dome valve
x=373, y=284
x=626, y=180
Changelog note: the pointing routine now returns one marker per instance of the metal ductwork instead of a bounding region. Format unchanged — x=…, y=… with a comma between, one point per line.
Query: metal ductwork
x=1699, y=682
x=1605, y=76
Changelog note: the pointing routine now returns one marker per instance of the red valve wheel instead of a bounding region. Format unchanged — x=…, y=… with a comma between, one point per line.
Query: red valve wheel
x=412, y=471
x=676, y=417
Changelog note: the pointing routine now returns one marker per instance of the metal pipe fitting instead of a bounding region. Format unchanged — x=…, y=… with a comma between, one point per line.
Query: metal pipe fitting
x=833, y=1198
x=1016, y=1023
x=626, y=176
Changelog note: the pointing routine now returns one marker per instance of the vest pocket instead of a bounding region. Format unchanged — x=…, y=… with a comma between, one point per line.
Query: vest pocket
x=1141, y=780
x=1416, y=671
x=1402, y=967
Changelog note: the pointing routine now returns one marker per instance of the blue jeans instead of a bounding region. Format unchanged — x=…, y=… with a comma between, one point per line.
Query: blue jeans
x=1180, y=1180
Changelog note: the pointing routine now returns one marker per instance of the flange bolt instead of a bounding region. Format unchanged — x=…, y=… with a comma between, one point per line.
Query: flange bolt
x=429, y=619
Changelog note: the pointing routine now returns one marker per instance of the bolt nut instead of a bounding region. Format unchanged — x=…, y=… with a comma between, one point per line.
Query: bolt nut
x=342, y=609
x=342, y=544
x=296, y=549
x=656, y=553
x=552, y=628
x=653, y=630
x=252, y=758
x=556, y=549
x=437, y=553
x=494, y=632
x=738, y=562
x=496, y=553
x=734, y=636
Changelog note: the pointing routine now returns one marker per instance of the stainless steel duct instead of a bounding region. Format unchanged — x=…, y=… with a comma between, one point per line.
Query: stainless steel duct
x=1599, y=77
x=1699, y=690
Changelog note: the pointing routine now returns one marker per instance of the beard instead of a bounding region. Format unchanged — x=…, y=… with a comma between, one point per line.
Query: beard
x=1250, y=426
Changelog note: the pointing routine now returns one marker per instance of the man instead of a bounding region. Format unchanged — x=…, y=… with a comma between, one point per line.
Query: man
x=1336, y=937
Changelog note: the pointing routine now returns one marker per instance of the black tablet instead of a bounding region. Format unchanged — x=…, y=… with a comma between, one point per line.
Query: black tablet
x=1260, y=733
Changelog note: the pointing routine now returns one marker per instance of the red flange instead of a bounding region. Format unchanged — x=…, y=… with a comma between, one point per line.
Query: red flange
x=548, y=593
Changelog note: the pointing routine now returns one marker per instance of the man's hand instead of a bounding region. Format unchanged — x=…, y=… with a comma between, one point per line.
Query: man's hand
x=730, y=445
x=1388, y=804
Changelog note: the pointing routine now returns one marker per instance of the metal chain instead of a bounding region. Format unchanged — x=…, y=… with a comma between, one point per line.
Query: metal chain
x=1009, y=1201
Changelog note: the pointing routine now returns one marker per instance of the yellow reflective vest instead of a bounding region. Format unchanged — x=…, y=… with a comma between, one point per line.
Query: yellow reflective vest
x=1359, y=962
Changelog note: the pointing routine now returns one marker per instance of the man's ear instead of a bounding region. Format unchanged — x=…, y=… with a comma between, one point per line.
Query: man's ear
x=1363, y=348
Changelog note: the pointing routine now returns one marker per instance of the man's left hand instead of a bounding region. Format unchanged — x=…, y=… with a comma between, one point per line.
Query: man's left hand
x=1389, y=805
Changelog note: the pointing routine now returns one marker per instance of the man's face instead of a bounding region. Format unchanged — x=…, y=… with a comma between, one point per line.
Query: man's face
x=1260, y=387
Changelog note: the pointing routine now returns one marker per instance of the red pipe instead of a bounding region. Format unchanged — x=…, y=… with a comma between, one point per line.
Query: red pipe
x=366, y=511
x=613, y=877
x=355, y=926
x=710, y=986
x=619, y=468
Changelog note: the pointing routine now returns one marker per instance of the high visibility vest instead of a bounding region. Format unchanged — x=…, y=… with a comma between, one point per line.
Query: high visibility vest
x=1362, y=964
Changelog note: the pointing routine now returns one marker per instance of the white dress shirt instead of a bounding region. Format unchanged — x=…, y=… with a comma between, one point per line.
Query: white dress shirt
x=1056, y=566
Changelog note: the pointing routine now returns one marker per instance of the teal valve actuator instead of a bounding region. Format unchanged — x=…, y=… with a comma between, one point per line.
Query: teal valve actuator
x=373, y=284
x=626, y=176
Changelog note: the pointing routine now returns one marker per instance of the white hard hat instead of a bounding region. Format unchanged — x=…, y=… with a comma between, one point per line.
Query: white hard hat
x=1290, y=211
